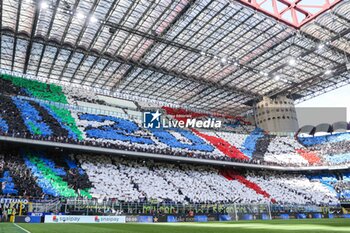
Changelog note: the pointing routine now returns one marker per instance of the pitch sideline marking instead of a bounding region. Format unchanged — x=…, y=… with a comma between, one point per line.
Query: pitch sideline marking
x=21, y=228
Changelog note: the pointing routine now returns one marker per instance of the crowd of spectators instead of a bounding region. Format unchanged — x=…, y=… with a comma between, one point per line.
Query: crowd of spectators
x=280, y=150
x=145, y=180
x=14, y=171
x=283, y=151
x=333, y=148
x=34, y=120
x=285, y=187
x=333, y=153
x=40, y=176
x=110, y=177
x=19, y=130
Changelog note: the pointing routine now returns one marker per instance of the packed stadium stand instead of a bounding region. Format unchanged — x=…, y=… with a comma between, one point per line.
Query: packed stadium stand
x=33, y=109
x=54, y=174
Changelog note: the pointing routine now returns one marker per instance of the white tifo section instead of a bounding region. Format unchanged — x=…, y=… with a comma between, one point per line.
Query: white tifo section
x=281, y=150
x=89, y=99
x=109, y=180
x=147, y=104
x=109, y=109
x=201, y=184
x=287, y=189
x=236, y=140
x=126, y=180
x=117, y=102
x=133, y=181
x=83, y=219
x=285, y=158
x=73, y=92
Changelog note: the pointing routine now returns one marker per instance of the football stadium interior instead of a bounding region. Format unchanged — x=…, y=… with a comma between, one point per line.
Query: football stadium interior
x=176, y=113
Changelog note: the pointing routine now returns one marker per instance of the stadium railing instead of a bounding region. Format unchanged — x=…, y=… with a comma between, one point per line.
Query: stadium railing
x=168, y=211
x=233, y=211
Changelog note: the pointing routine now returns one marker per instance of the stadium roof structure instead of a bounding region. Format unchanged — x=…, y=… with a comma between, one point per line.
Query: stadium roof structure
x=213, y=55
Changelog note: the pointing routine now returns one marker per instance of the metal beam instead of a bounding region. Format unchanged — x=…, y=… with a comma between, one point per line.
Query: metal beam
x=141, y=65
x=81, y=33
x=65, y=65
x=53, y=61
x=62, y=40
x=155, y=42
x=246, y=65
x=15, y=39
x=168, y=27
x=292, y=8
x=131, y=32
x=48, y=34
x=214, y=31
x=317, y=93
x=200, y=43
x=90, y=69
x=341, y=17
x=311, y=37
x=111, y=39
x=97, y=35
x=115, y=71
x=108, y=15
x=124, y=43
x=100, y=73
x=338, y=36
x=29, y=48
x=143, y=81
x=239, y=48
x=339, y=67
x=324, y=89
x=192, y=20
x=310, y=81
x=296, y=67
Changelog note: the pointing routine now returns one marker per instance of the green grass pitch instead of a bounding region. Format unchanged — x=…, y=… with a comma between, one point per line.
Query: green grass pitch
x=273, y=226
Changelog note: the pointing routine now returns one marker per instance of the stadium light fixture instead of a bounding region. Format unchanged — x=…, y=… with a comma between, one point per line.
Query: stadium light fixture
x=93, y=19
x=223, y=61
x=348, y=66
x=292, y=62
x=44, y=5
x=80, y=15
x=321, y=46
x=264, y=73
x=328, y=72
